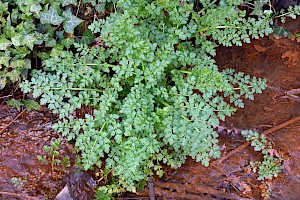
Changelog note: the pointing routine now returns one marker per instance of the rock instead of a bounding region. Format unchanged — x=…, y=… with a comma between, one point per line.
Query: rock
x=64, y=194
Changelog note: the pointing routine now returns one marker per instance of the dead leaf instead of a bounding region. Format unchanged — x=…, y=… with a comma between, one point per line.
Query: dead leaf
x=259, y=48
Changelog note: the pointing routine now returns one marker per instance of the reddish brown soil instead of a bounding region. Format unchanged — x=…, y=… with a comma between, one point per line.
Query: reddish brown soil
x=20, y=143
x=277, y=60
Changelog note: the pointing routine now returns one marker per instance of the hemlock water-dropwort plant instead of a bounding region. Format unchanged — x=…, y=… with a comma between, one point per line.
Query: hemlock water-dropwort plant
x=155, y=91
x=270, y=166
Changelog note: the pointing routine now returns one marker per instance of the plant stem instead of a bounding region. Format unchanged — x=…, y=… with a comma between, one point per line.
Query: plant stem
x=203, y=9
x=184, y=71
x=282, y=15
x=250, y=86
x=143, y=67
x=102, y=64
x=76, y=89
x=162, y=102
x=102, y=127
x=217, y=27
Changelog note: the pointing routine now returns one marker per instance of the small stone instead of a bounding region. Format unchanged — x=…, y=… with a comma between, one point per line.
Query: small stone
x=64, y=194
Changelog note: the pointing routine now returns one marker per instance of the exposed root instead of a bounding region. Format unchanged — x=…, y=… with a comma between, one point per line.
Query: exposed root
x=240, y=148
x=151, y=189
x=182, y=191
x=19, y=195
x=12, y=121
x=292, y=94
x=132, y=198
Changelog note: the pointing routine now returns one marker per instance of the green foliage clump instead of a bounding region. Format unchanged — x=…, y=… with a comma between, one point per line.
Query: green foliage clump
x=53, y=156
x=28, y=104
x=154, y=89
x=26, y=24
x=292, y=12
x=270, y=166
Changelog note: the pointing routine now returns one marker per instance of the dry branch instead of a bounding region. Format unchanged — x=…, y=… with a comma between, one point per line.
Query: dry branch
x=12, y=121
x=19, y=195
x=240, y=148
x=183, y=192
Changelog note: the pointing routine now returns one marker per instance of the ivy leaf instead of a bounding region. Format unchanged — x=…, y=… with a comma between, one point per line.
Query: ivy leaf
x=29, y=40
x=21, y=64
x=35, y=7
x=56, y=51
x=279, y=31
x=2, y=82
x=68, y=42
x=13, y=75
x=87, y=37
x=51, y=17
x=31, y=105
x=258, y=9
x=60, y=35
x=4, y=60
x=50, y=42
x=17, y=40
x=9, y=30
x=4, y=43
x=68, y=2
x=71, y=21
x=3, y=7
x=100, y=7
x=15, y=103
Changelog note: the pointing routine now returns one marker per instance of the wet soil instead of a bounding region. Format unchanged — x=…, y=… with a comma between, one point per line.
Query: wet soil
x=22, y=175
x=277, y=60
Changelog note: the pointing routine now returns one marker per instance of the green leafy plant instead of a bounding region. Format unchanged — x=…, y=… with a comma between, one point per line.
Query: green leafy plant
x=266, y=191
x=26, y=24
x=53, y=157
x=279, y=31
x=99, y=5
x=270, y=166
x=28, y=104
x=292, y=12
x=107, y=192
x=154, y=91
x=68, y=20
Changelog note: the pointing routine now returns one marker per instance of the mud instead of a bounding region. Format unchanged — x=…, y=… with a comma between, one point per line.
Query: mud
x=20, y=143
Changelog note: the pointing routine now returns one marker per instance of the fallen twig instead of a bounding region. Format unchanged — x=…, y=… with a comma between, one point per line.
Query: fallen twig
x=175, y=195
x=6, y=96
x=275, y=128
x=19, y=195
x=12, y=121
x=184, y=191
x=280, y=126
x=132, y=198
x=151, y=189
x=292, y=94
x=231, y=153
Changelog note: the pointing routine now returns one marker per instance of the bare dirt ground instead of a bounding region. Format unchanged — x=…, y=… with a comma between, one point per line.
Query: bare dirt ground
x=20, y=143
x=22, y=138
